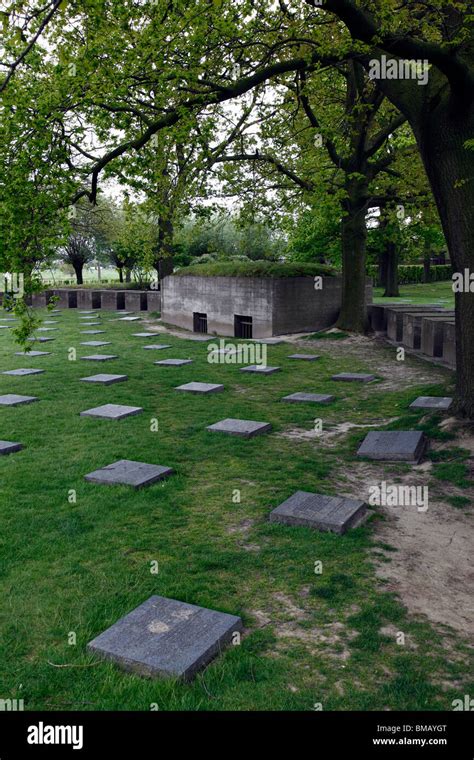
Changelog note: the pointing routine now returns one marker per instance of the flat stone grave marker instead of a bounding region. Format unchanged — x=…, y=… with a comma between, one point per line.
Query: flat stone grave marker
x=8, y=447
x=393, y=445
x=321, y=512
x=311, y=398
x=260, y=369
x=112, y=411
x=164, y=637
x=47, y=329
x=201, y=388
x=432, y=402
x=241, y=428
x=7, y=319
x=99, y=357
x=50, y=322
x=124, y=313
x=13, y=399
x=144, y=335
x=40, y=339
x=104, y=379
x=305, y=357
x=126, y=472
x=90, y=324
x=129, y=319
x=174, y=362
x=271, y=341
x=355, y=377
x=6, y=327
x=32, y=353
x=88, y=311
x=23, y=372
x=96, y=343
x=156, y=347
x=92, y=332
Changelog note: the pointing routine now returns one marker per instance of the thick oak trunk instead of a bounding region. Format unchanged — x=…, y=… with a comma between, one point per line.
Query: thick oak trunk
x=391, y=270
x=450, y=168
x=353, y=314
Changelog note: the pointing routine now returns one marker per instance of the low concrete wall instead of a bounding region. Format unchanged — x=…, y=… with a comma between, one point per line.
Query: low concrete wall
x=86, y=298
x=432, y=335
x=449, y=343
x=136, y=300
x=276, y=305
x=153, y=298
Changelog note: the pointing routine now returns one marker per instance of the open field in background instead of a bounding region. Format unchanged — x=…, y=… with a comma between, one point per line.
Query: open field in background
x=58, y=278
x=328, y=638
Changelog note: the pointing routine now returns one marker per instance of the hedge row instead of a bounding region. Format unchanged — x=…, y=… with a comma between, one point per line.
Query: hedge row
x=413, y=273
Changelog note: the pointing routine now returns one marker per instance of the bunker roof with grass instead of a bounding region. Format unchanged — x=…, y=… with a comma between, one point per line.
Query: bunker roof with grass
x=256, y=269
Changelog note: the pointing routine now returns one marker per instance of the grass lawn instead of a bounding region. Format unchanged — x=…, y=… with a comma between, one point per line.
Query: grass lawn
x=77, y=567
x=435, y=292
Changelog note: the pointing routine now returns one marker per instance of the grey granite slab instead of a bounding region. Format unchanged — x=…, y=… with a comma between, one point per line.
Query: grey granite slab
x=432, y=402
x=96, y=343
x=156, y=347
x=356, y=377
x=167, y=638
x=8, y=447
x=13, y=399
x=33, y=353
x=241, y=428
x=99, y=357
x=260, y=369
x=112, y=411
x=394, y=445
x=22, y=372
x=310, y=398
x=174, y=362
x=92, y=332
x=201, y=388
x=321, y=512
x=305, y=357
x=104, y=379
x=126, y=472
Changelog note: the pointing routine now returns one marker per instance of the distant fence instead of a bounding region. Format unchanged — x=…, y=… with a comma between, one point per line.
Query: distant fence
x=410, y=274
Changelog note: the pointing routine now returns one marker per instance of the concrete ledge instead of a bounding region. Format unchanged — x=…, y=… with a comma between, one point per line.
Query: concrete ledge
x=432, y=335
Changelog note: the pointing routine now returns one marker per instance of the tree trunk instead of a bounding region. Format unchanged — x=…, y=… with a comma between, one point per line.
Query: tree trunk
x=450, y=169
x=128, y=275
x=382, y=269
x=427, y=267
x=78, y=270
x=120, y=272
x=391, y=270
x=353, y=314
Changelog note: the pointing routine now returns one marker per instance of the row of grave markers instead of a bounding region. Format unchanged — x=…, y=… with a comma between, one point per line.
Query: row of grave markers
x=167, y=637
